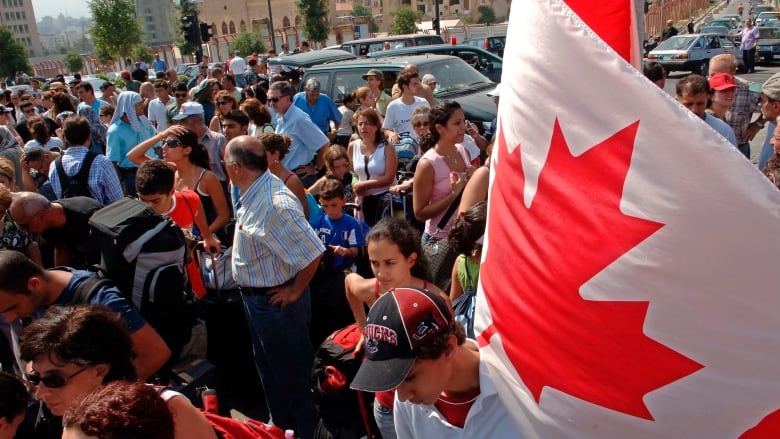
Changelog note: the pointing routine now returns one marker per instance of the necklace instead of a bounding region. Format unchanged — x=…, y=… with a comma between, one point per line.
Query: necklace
x=470, y=401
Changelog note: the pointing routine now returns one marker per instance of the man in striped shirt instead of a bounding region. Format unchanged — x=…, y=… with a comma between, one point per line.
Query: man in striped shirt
x=275, y=255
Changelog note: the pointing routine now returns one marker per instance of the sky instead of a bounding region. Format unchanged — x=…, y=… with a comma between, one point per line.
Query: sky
x=74, y=8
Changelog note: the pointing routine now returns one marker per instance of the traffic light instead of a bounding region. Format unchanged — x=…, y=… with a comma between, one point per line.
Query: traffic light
x=205, y=32
x=189, y=30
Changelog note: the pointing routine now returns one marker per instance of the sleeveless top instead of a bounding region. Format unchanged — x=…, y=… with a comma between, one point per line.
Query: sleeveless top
x=206, y=201
x=370, y=168
x=377, y=293
x=441, y=188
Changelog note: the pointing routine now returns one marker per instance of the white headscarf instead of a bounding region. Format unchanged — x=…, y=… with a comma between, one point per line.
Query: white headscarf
x=125, y=105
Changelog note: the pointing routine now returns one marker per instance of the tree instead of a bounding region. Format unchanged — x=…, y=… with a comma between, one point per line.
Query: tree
x=185, y=7
x=486, y=15
x=405, y=21
x=247, y=43
x=142, y=52
x=115, y=30
x=362, y=11
x=74, y=62
x=315, y=19
x=14, y=56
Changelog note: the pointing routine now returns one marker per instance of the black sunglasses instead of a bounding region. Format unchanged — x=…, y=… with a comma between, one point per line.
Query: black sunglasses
x=171, y=143
x=180, y=95
x=53, y=381
x=223, y=102
x=275, y=100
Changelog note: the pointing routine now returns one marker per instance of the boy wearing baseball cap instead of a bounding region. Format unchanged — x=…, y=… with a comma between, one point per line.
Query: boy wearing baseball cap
x=415, y=346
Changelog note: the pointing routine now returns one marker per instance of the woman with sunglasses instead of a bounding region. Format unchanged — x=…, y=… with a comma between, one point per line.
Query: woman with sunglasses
x=73, y=351
x=181, y=148
x=225, y=104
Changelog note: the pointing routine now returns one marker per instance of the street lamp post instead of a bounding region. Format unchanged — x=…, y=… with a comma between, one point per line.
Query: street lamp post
x=271, y=26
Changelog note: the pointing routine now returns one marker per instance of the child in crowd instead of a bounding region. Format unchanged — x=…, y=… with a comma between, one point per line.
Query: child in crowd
x=13, y=404
x=346, y=128
x=442, y=386
x=397, y=259
x=337, y=166
x=154, y=183
x=465, y=238
x=343, y=237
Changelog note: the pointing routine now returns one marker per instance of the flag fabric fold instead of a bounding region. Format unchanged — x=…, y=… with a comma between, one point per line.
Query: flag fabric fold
x=629, y=285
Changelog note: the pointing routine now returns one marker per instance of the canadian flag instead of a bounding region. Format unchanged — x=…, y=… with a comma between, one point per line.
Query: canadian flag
x=630, y=284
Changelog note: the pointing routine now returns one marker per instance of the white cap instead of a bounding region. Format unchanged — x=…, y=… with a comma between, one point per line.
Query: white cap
x=189, y=109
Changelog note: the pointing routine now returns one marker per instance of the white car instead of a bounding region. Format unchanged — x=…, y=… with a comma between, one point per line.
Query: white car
x=692, y=52
x=765, y=17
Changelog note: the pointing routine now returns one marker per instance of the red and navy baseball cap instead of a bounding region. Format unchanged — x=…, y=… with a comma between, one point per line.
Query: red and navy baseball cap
x=400, y=322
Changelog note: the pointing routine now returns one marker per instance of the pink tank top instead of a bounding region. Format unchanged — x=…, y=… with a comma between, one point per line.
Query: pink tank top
x=441, y=188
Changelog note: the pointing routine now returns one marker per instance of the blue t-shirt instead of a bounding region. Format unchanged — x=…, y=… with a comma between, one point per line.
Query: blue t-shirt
x=107, y=295
x=324, y=110
x=121, y=139
x=344, y=232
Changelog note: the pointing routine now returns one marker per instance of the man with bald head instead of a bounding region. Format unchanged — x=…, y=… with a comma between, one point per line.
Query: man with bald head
x=275, y=255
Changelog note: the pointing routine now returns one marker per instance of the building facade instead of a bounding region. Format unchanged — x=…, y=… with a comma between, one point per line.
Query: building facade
x=18, y=15
x=157, y=20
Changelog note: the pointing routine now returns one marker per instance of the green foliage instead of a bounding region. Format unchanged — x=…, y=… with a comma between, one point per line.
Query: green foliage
x=486, y=15
x=405, y=21
x=103, y=76
x=14, y=56
x=142, y=52
x=184, y=79
x=247, y=43
x=362, y=11
x=315, y=19
x=115, y=30
x=468, y=19
x=74, y=62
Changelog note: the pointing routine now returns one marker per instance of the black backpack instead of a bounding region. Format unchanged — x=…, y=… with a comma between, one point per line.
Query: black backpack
x=344, y=413
x=144, y=254
x=75, y=186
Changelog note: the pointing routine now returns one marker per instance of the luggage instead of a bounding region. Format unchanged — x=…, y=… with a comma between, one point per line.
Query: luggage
x=144, y=254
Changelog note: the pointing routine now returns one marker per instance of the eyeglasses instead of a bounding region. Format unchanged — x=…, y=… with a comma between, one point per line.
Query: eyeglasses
x=223, y=102
x=180, y=95
x=421, y=124
x=29, y=111
x=53, y=381
x=171, y=143
x=275, y=99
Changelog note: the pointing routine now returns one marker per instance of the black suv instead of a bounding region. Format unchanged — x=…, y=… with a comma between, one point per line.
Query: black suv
x=455, y=80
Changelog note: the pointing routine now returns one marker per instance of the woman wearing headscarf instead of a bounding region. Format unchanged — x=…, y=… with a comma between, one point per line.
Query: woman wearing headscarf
x=128, y=128
x=207, y=96
x=96, y=129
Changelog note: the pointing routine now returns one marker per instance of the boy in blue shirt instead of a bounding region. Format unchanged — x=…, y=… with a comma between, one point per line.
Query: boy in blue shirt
x=343, y=238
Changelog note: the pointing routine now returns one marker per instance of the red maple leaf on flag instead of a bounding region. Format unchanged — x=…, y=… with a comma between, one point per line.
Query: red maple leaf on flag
x=592, y=350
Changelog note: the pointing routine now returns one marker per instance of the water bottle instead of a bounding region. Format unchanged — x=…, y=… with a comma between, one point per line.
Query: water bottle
x=208, y=275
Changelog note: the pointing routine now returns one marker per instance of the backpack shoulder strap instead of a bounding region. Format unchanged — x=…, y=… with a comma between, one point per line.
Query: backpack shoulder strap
x=83, y=175
x=61, y=173
x=88, y=288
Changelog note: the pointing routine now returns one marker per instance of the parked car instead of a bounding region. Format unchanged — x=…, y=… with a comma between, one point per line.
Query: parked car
x=765, y=17
x=493, y=44
x=725, y=22
x=455, y=80
x=305, y=60
x=710, y=29
x=182, y=68
x=768, y=45
x=487, y=63
x=693, y=52
x=758, y=9
x=365, y=46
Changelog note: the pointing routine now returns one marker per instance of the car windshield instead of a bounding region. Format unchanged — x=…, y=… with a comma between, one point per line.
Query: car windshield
x=454, y=75
x=726, y=23
x=767, y=32
x=714, y=30
x=677, y=43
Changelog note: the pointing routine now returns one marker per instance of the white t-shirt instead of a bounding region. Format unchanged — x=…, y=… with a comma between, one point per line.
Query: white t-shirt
x=237, y=65
x=158, y=114
x=487, y=418
x=53, y=143
x=471, y=146
x=399, y=116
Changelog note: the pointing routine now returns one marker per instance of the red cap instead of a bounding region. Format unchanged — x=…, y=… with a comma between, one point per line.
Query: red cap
x=722, y=81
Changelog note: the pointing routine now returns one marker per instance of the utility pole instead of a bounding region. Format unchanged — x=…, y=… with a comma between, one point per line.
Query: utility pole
x=436, y=22
x=271, y=26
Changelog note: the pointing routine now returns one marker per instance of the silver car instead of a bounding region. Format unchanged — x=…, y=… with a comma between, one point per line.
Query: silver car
x=693, y=52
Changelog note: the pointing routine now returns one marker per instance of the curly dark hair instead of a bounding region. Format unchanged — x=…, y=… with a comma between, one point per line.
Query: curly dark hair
x=15, y=397
x=467, y=228
x=275, y=143
x=122, y=410
x=440, y=115
x=199, y=155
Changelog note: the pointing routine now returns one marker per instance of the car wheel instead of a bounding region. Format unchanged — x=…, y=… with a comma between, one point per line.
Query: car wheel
x=704, y=68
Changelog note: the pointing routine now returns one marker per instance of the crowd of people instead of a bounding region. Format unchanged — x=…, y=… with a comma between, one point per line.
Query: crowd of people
x=301, y=193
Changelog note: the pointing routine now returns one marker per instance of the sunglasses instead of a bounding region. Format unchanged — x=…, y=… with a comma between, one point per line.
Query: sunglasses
x=223, y=102
x=53, y=381
x=171, y=143
x=421, y=124
x=180, y=95
x=275, y=99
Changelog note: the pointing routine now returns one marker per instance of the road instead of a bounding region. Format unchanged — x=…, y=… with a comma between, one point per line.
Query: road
x=762, y=73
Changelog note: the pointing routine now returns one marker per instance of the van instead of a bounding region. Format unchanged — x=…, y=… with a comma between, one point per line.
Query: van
x=368, y=45
x=487, y=63
x=455, y=80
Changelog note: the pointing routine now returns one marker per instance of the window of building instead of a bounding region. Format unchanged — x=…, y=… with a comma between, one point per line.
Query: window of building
x=5, y=4
x=24, y=15
x=421, y=8
x=298, y=20
x=242, y=26
x=286, y=21
x=224, y=28
x=18, y=15
x=232, y=27
x=26, y=29
x=213, y=29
